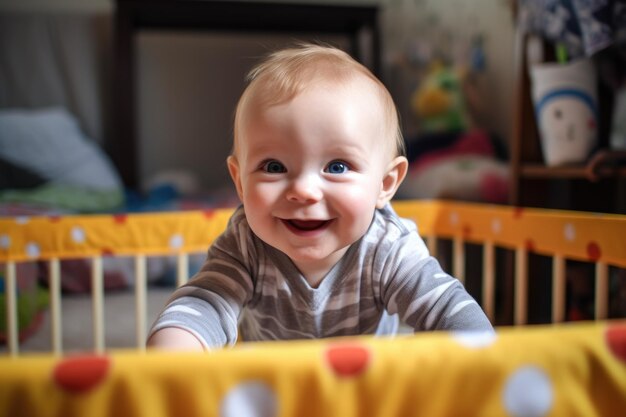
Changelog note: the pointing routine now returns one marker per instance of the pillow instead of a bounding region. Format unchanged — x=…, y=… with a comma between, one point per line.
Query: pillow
x=49, y=143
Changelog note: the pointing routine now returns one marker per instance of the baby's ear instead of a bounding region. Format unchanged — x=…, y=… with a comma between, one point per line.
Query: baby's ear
x=233, y=168
x=396, y=171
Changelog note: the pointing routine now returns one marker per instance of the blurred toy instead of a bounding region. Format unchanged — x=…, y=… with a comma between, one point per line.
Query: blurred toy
x=439, y=102
x=31, y=299
x=451, y=157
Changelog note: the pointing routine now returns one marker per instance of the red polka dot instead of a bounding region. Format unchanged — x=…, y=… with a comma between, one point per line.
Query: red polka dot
x=54, y=218
x=529, y=244
x=208, y=213
x=348, y=360
x=120, y=218
x=616, y=339
x=107, y=252
x=593, y=251
x=467, y=231
x=81, y=373
x=518, y=212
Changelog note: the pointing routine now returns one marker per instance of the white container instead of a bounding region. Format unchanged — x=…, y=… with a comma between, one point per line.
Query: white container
x=565, y=99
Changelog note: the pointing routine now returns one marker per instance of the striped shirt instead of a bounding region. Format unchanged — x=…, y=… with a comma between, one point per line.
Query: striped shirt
x=385, y=278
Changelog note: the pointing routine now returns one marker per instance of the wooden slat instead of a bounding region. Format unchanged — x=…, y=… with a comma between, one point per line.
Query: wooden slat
x=521, y=286
x=431, y=243
x=140, y=300
x=602, y=291
x=489, y=280
x=558, y=289
x=458, y=258
x=11, y=308
x=55, y=306
x=97, y=297
x=182, y=269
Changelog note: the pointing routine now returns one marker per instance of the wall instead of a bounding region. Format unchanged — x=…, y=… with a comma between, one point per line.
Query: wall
x=178, y=121
x=415, y=29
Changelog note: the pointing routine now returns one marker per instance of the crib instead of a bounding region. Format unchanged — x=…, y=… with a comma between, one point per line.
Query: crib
x=558, y=367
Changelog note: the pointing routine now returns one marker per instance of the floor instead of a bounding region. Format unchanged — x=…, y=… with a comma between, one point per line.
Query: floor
x=77, y=328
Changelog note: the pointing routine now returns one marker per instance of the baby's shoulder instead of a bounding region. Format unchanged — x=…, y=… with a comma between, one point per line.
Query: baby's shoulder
x=388, y=224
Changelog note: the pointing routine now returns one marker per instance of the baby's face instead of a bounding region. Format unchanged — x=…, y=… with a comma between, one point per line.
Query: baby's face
x=310, y=171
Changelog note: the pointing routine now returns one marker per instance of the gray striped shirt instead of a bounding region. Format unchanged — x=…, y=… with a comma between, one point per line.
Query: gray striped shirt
x=385, y=278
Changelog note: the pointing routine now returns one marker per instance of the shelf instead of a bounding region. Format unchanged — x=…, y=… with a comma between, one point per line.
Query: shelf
x=603, y=164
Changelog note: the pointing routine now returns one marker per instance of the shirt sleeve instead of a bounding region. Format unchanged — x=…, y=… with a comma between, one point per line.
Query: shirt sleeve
x=424, y=296
x=210, y=304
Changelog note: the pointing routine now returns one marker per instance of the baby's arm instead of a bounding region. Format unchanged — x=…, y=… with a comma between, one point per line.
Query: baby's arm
x=203, y=314
x=427, y=298
x=174, y=338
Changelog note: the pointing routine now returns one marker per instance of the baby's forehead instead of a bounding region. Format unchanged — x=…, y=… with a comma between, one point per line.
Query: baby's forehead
x=269, y=93
x=355, y=87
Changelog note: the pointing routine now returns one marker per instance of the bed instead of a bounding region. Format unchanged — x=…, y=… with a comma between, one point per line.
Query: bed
x=560, y=367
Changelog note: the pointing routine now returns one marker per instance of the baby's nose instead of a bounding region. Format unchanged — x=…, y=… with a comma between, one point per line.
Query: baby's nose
x=305, y=188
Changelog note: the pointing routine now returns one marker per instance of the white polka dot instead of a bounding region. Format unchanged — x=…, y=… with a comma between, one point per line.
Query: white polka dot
x=496, y=226
x=476, y=339
x=440, y=275
x=249, y=399
x=528, y=393
x=32, y=250
x=78, y=234
x=176, y=241
x=5, y=241
x=22, y=219
x=454, y=218
x=569, y=232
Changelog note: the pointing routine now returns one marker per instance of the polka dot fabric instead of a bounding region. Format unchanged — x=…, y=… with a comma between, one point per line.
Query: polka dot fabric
x=567, y=370
x=582, y=236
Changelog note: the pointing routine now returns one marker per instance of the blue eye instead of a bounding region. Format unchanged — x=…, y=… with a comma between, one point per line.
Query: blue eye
x=337, y=167
x=274, y=167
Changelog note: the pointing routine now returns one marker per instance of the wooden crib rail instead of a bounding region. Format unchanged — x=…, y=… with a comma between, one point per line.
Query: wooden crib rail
x=562, y=235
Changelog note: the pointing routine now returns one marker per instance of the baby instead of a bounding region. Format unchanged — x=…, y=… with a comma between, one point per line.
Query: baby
x=315, y=250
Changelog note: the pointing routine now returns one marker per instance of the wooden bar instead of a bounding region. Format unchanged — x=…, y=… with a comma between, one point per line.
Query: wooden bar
x=602, y=291
x=97, y=297
x=182, y=269
x=558, y=289
x=431, y=243
x=521, y=286
x=458, y=258
x=11, y=308
x=489, y=280
x=140, y=300
x=55, y=306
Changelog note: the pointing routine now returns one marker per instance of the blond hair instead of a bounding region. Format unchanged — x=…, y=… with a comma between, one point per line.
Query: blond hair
x=287, y=72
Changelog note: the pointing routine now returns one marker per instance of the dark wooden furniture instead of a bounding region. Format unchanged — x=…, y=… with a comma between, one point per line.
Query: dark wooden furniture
x=598, y=185
x=359, y=23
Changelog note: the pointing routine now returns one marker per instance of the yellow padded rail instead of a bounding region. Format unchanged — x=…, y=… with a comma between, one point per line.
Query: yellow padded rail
x=575, y=235
x=565, y=370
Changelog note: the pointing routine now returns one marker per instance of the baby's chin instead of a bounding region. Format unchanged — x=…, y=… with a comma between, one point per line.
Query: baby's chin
x=324, y=256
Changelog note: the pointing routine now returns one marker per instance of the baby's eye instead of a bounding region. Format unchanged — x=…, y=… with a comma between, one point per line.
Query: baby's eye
x=274, y=167
x=336, y=167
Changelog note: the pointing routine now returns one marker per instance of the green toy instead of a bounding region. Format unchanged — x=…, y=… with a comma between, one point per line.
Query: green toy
x=32, y=300
x=439, y=101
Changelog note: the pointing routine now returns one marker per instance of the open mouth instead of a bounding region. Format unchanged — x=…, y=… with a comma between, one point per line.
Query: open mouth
x=306, y=225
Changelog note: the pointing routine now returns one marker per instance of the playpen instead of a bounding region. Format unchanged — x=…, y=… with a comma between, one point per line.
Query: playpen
x=553, y=368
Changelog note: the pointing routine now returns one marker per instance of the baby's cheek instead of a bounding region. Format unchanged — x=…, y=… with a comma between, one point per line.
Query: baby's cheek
x=358, y=204
x=260, y=194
